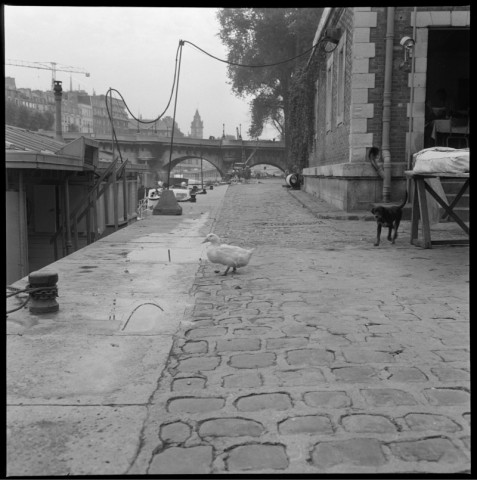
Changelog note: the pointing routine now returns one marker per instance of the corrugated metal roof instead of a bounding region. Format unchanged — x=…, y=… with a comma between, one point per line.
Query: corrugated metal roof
x=21, y=139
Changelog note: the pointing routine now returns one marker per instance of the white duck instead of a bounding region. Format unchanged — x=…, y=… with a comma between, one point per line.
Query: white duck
x=228, y=255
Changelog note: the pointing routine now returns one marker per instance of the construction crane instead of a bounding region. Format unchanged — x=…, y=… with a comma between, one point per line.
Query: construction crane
x=53, y=66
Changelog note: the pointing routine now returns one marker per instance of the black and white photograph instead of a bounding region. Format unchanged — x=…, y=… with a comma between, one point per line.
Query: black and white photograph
x=237, y=241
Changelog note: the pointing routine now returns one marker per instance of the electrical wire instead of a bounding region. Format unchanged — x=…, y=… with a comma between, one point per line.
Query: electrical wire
x=168, y=103
x=175, y=81
x=182, y=42
x=262, y=65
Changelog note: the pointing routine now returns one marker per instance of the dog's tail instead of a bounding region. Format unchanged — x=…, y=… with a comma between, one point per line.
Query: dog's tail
x=404, y=202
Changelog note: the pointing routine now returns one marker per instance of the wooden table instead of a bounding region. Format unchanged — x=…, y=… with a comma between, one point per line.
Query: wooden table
x=420, y=208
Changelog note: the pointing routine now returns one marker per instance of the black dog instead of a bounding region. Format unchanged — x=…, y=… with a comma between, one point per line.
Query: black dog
x=388, y=217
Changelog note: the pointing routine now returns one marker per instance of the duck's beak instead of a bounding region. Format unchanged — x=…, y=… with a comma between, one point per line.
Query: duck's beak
x=206, y=240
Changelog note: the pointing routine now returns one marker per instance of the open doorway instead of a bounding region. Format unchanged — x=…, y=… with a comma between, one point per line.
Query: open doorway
x=447, y=86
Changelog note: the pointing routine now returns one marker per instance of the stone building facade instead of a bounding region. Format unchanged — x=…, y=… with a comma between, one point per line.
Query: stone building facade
x=351, y=105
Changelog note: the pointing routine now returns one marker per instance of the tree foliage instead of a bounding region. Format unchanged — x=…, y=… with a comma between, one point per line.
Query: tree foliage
x=266, y=36
x=302, y=112
x=28, y=118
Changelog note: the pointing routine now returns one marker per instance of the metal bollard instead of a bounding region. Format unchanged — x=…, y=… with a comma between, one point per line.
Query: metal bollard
x=43, y=298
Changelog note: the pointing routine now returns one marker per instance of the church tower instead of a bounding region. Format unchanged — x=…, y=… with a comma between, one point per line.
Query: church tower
x=197, y=126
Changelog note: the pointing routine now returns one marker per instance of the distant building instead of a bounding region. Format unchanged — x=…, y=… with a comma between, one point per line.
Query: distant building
x=161, y=127
x=197, y=126
x=80, y=112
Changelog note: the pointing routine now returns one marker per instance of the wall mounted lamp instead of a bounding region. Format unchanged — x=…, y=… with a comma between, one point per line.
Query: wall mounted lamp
x=408, y=45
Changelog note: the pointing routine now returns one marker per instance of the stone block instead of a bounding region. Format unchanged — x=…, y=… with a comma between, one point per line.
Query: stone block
x=358, y=125
x=388, y=397
x=360, y=65
x=277, y=343
x=420, y=66
x=361, y=35
x=419, y=80
x=355, y=452
x=355, y=374
x=302, y=377
x=423, y=19
x=357, y=154
x=197, y=364
x=195, y=404
x=189, y=383
x=365, y=19
x=195, y=347
x=177, y=460
x=176, y=432
x=460, y=19
x=238, y=344
x=230, y=427
x=206, y=332
x=257, y=456
x=309, y=356
x=360, y=140
x=309, y=424
x=264, y=401
x=406, y=374
x=359, y=95
x=440, y=450
x=441, y=18
x=256, y=360
x=423, y=422
x=447, y=397
x=363, y=80
x=362, y=111
x=364, y=50
x=419, y=95
x=336, y=399
x=449, y=374
x=422, y=35
x=420, y=50
x=242, y=380
x=363, y=423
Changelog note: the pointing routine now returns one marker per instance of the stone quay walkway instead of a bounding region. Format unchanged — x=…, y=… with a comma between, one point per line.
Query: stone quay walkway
x=324, y=355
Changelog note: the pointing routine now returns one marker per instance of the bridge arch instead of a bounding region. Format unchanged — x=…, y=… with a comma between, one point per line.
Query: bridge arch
x=277, y=164
x=176, y=161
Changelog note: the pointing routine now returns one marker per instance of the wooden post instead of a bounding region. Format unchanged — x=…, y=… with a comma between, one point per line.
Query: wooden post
x=95, y=216
x=69, y=245
x=75, y=232
x=425, y=227
x=23, y=222
x=125, y=196
x=115, y=185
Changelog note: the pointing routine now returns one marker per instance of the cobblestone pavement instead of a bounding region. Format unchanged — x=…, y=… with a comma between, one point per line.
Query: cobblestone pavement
x=324, y=355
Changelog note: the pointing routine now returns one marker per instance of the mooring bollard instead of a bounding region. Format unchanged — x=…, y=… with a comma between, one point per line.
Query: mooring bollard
x=44, y=292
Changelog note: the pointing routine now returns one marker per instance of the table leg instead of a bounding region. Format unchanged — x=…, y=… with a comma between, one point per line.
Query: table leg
x=425, y=227
x=414, y=214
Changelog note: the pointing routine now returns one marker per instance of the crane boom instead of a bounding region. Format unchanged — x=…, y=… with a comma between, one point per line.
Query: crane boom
x=53, y=66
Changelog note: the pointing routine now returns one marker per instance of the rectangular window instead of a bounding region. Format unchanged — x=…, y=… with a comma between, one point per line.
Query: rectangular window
x=329, y=92
x=340, y=83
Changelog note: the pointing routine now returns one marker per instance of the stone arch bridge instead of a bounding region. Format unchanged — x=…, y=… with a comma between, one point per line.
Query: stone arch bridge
x=154, y=151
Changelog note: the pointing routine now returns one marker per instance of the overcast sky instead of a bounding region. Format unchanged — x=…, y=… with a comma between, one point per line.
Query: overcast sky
x=133, y=50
